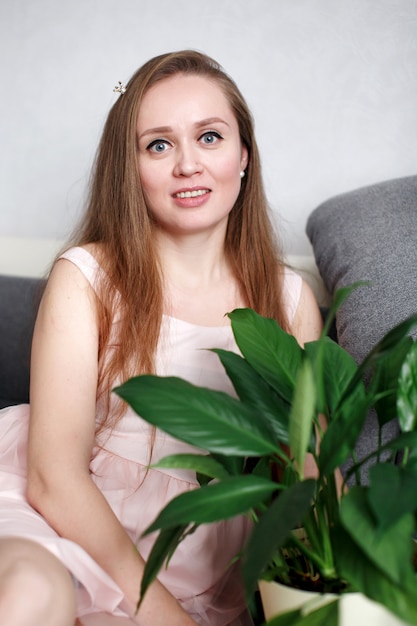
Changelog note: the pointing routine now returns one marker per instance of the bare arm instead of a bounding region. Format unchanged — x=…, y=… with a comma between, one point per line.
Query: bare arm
x=61, y=438
x=307, y=323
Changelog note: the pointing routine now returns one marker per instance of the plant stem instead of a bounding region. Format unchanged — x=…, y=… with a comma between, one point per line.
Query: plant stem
x=405, y=457
x=324, y=569
x=331, y=498
x=323, y=523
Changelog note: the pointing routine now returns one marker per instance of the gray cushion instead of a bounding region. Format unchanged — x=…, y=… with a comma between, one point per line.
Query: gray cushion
x=19, y=299
x=369, y=234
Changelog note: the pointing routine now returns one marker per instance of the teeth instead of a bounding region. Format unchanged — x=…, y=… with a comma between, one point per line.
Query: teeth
x=192, y=194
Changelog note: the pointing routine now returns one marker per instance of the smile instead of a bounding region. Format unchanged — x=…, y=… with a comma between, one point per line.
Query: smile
x=192, y=194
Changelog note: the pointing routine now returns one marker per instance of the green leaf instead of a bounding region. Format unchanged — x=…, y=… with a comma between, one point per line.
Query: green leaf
x=232, y=496
x=339, y=440
x=392, y=493
x=407, y=392
x=202, y=417
x=255, y=392
x=334, y=372
x=164, y=545
x=390, y=550
x=232, y=464
x=327, y=615
x=345, y=414
x=202, y=464
x=260, y=466
x=384, y=381
x=411, y=462
x=273, y=528
x=302, y=414
x=272, y=352
x=366, y=577
x=338, y=369
x=389, y=343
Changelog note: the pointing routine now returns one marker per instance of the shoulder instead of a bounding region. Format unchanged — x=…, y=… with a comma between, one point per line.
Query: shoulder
x=68, y=291
x=71, y=285
x=87, y=259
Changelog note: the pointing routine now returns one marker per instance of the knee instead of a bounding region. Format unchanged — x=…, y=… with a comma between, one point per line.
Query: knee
x=33, y=581
x=25, y=579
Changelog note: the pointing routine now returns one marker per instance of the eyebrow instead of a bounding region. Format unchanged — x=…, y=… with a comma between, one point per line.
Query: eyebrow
x=161, y=130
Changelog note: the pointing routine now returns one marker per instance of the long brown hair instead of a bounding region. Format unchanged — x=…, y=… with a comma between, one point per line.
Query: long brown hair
x=117, y=219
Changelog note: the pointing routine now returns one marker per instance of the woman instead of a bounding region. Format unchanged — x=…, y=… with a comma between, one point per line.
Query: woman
x=175, y=235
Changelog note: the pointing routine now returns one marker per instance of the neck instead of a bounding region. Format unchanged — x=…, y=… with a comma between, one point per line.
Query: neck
x=193, y=262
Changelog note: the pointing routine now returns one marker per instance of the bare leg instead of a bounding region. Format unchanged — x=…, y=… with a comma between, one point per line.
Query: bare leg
x=35, y=588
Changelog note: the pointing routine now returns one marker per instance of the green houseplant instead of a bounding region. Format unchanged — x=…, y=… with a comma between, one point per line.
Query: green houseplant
x=359, y=539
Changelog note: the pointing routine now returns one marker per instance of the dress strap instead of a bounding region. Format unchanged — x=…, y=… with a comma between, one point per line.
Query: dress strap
x=85, y=261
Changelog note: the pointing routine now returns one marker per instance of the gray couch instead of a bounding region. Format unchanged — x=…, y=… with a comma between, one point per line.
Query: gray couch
x=19, y=299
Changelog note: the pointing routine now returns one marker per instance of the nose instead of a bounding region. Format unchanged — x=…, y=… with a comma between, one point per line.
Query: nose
x=187, y=161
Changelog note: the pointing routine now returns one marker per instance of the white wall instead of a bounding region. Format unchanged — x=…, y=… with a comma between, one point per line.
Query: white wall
x=332, y=85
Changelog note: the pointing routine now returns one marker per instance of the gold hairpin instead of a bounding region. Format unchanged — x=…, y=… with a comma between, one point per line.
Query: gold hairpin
x=120, y=88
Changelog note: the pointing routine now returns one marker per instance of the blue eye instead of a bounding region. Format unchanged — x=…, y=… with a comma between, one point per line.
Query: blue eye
x=210, y=138
x=158, y=145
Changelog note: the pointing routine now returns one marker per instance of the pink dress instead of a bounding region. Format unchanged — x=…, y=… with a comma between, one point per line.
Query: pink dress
x=199, y=575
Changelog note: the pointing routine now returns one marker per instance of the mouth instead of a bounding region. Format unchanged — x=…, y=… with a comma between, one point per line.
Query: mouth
x=195, y=193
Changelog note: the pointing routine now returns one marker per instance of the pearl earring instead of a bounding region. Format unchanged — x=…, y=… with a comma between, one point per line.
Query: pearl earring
x=242, y=173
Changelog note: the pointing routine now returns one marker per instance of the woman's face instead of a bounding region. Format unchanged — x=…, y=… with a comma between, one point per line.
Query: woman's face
x=190, y=155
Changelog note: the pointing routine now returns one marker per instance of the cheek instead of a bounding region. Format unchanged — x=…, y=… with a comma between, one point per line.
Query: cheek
x=150, y=181
x=228, y=170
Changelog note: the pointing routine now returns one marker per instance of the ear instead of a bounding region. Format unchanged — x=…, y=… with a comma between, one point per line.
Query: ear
x=244, y=159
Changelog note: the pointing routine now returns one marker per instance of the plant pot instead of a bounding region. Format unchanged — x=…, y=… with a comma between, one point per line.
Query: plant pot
x=354, y=608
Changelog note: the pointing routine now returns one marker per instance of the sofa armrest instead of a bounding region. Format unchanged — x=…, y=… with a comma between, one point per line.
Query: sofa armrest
x=19, y=301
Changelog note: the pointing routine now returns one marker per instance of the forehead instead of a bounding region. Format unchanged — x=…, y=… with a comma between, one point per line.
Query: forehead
x=183, y=98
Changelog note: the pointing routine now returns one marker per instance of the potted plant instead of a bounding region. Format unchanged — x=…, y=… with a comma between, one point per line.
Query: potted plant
x=355, y=540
